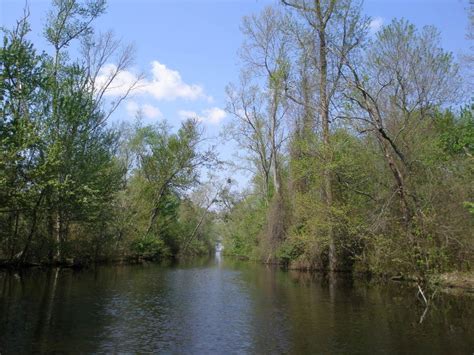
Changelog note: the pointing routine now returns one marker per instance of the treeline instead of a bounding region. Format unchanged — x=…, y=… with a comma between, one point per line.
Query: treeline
x=73, y=188
x=361, y=144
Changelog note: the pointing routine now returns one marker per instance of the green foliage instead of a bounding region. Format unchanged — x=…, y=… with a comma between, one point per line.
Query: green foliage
x=457, y=132
x=243, y=226
x=166, y=168
x=290, y=250
x=469, y=206
x=150, y=247
x=72, y=186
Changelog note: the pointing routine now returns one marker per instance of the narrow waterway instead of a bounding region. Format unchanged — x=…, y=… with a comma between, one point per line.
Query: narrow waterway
x=217, y=305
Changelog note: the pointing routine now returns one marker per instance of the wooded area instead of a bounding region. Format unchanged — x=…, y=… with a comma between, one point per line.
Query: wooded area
x=361, y=144
x=361, y=148
x=75, y=189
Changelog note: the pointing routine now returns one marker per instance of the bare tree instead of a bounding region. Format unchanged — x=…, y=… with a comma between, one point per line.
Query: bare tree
x=249, y=128
x=105, y=58
x=469, y=58
x=264, y=54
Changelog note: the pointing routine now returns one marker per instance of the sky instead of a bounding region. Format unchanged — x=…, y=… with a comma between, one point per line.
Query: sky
x=187, y=49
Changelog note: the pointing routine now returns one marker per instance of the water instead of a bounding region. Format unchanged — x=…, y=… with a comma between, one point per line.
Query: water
x=222, y=306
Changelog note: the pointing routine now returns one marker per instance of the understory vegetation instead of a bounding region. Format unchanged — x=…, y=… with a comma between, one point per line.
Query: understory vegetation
x=360, y=144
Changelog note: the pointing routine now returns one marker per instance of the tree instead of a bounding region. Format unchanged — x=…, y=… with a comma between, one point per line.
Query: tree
x=259, y=107
x=22, y=178
x=60, y=155
x=408, y=77
x=336, y=28
x=399, y=89
x=264, y=54
x=251, y=130
x=76, y=114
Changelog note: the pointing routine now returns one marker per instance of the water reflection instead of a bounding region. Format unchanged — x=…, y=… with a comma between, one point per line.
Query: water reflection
x=218, y=257
x=219, y=305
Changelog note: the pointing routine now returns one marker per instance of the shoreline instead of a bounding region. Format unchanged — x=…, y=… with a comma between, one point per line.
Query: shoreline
x=455, y=282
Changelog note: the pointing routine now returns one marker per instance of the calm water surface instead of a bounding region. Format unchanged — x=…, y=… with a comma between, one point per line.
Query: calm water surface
x=222, y=306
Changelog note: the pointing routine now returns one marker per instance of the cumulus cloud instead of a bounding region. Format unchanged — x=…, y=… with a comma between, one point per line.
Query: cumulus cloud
x=167, y=84
x=164, y=84
x=148, y=111
x=376, y=24
x=151, y=111
x=212, y=115
x=120, y=81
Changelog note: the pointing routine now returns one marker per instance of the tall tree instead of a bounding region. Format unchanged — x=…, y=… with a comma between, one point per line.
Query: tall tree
x=22, y=178
x=337, y=28
x=265, y=55
x=251, y=130
x=76, y=116
x=262, y=113
x=168, y=163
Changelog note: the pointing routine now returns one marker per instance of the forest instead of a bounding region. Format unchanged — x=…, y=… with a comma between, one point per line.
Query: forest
x=360, y=148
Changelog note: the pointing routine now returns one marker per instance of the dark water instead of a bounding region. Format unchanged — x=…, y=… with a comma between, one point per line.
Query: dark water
x=222, y=306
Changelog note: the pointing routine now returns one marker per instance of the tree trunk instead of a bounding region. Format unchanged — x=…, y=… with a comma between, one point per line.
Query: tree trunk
x=32, y=232
x=13, y=240
x=275, y=168
x=156, y=209
x=57, y=235
x=324, y=111
x=400, y=182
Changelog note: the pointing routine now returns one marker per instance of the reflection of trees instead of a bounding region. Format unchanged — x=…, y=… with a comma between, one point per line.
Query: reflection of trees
x=43, y=324
x=237, y=305
x=312, y=313
x=59, y=310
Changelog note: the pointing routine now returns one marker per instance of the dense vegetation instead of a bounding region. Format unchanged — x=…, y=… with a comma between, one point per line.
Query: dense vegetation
x=361, y=147
x=362, y=158
x=74, y=188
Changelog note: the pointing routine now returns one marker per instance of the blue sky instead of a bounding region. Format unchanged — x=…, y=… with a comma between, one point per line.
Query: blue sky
x=190, y=46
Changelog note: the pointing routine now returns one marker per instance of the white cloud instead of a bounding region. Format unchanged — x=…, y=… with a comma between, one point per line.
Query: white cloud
x=212, y=115
x=376, y=24
x=165, y=83
x=120, y=84
x=151, y=111
x=132, y=108
x=148, y=111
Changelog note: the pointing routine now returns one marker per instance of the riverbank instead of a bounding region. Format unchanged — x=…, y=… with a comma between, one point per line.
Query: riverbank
x=457, y=281
x=76, y=263
x=453, y=282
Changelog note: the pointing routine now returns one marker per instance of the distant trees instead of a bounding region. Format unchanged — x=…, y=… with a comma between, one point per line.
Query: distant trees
x=165, y=167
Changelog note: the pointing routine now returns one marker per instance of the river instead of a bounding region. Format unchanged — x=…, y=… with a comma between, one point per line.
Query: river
x=224, y=306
